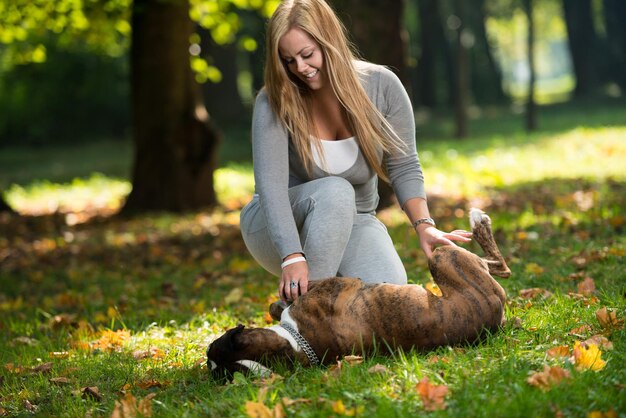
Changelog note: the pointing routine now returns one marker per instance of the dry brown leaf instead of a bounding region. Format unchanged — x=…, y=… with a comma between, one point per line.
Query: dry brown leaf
x=559, y=351
x=91, y=392
x=60, y=381
x=352, y=360
x=433, y=396
x=534, y=292
x=378, y=368
x=578, y=331
x=608, y=319
x=601, y=341
x=129, y=407
x=549, y=377
x=289, y=402
x=42, y=368
x=587, y=287
x=257, y=410
x=152, y=383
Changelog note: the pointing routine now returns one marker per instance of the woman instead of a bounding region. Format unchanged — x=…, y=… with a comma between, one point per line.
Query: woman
x=325, y=128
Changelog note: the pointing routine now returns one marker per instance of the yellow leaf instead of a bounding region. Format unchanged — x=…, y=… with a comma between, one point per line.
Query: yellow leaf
x=433, y=288
x=533, y=268
x=599, y=414
x=257, y=410
x=587, y=357
x=234, y=296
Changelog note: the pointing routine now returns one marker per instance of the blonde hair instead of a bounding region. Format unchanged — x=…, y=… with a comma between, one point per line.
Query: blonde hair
x=290, y=98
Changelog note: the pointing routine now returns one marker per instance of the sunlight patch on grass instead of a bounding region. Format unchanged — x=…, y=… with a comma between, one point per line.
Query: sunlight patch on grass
x=579, y=153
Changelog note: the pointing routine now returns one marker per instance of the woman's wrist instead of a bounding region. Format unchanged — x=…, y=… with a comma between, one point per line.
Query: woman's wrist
x=292, y=259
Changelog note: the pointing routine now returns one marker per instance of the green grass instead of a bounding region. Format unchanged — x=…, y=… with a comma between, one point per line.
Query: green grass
x=173, y=283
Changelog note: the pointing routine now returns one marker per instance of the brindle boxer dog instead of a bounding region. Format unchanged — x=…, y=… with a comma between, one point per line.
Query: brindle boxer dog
x=340, y=316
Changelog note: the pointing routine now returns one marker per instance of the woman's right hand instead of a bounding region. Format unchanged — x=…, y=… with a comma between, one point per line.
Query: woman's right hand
x=294, y=280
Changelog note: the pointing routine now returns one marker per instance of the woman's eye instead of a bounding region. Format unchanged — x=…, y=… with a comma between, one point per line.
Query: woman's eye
x=307, y=56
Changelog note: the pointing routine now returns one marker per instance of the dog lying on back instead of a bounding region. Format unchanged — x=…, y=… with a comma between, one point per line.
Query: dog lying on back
x=340, y=316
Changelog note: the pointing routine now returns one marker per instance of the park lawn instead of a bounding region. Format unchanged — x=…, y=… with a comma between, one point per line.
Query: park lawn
x=113, y=314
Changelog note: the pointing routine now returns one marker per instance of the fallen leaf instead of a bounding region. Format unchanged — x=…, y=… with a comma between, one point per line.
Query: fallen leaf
x=257, y=410
x=433, y=288
x=129, y=407
x=534, y=292
x=559, y=351
x=91, y=392
x=587, y=287
x=533, y=268
x=111, y=340
x=43, y=368
x=599, y=414
x=60, y=381
x=152, y=383
x=608, y=319
x=24, y=341
x=549, y=377
x=378, y=368
x=587, y=357
x=340, y=408
x=234, y=296
x=352, y=360
x=578, y=331
x=601, y=341
x=59, y=354
x=433, y=396
x=289, y=402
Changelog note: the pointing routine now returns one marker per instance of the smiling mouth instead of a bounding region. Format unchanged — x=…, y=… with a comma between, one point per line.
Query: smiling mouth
x=311, y=74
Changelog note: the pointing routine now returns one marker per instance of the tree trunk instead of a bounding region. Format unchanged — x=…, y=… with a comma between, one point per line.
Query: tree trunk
x=486, y=74
x=4, y=206
x=531, y=114
x=614, y=18
x=222, y=99
x=175, y=143
x=461, y=98
x=377, y=30
x=583, y=44
x=430, y=30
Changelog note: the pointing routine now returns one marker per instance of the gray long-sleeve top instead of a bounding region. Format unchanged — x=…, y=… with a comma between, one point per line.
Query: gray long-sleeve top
x=277, y=166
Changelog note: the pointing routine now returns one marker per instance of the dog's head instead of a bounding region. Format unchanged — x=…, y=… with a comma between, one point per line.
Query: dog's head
x=232, y=353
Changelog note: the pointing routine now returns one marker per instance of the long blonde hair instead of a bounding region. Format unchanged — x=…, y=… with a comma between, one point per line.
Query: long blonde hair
x=290, y=97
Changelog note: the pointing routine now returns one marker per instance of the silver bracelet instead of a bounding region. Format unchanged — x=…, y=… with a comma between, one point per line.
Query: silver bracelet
x=420, y=221
x=292, y=261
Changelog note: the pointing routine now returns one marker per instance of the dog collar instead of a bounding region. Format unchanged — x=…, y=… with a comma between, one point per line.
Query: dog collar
x=302, y=343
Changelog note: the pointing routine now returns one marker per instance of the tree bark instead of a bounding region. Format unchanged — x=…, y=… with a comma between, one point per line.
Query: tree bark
x=531, y=113
x=430, y=30
x=486, y=74
x=377, y=30
x=583, y=45
x=175, y=142
x=4, y=206
x=461, y=98
x=614, y=18
x=222, y=99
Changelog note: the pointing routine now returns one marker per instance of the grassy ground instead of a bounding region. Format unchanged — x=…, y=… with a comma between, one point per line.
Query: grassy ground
x=115, y=315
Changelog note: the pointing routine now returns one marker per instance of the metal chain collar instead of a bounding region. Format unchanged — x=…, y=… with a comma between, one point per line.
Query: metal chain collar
x=302, y=343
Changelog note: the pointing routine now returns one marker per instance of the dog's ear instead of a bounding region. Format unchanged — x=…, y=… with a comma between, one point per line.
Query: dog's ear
x=233, y=338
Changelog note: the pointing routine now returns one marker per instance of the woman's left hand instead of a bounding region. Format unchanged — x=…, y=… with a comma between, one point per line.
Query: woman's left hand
x=431, y=237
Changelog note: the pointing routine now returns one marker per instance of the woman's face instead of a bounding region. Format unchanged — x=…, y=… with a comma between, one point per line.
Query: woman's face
x=303, y=57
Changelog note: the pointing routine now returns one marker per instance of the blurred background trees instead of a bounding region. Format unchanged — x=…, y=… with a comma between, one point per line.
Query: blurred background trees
x=72, y=72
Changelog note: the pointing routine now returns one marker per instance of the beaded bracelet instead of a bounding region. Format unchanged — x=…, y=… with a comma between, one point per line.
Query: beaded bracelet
x=420, y=221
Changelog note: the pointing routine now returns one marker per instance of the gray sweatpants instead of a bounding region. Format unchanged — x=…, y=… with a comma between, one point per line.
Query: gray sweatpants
x=337, y=241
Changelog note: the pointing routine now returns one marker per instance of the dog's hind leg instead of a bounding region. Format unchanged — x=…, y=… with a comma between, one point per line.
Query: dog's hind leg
x=482, y=234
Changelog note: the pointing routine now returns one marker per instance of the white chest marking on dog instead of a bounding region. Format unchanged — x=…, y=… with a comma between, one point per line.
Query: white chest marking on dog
x=213, y=365
x=282, y=332
x=256, y=368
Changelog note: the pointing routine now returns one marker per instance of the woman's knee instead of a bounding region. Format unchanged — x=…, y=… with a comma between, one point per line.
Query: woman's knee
x=336, y=192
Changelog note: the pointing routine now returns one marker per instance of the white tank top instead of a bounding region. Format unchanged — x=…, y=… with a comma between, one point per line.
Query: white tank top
x=339, y=155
